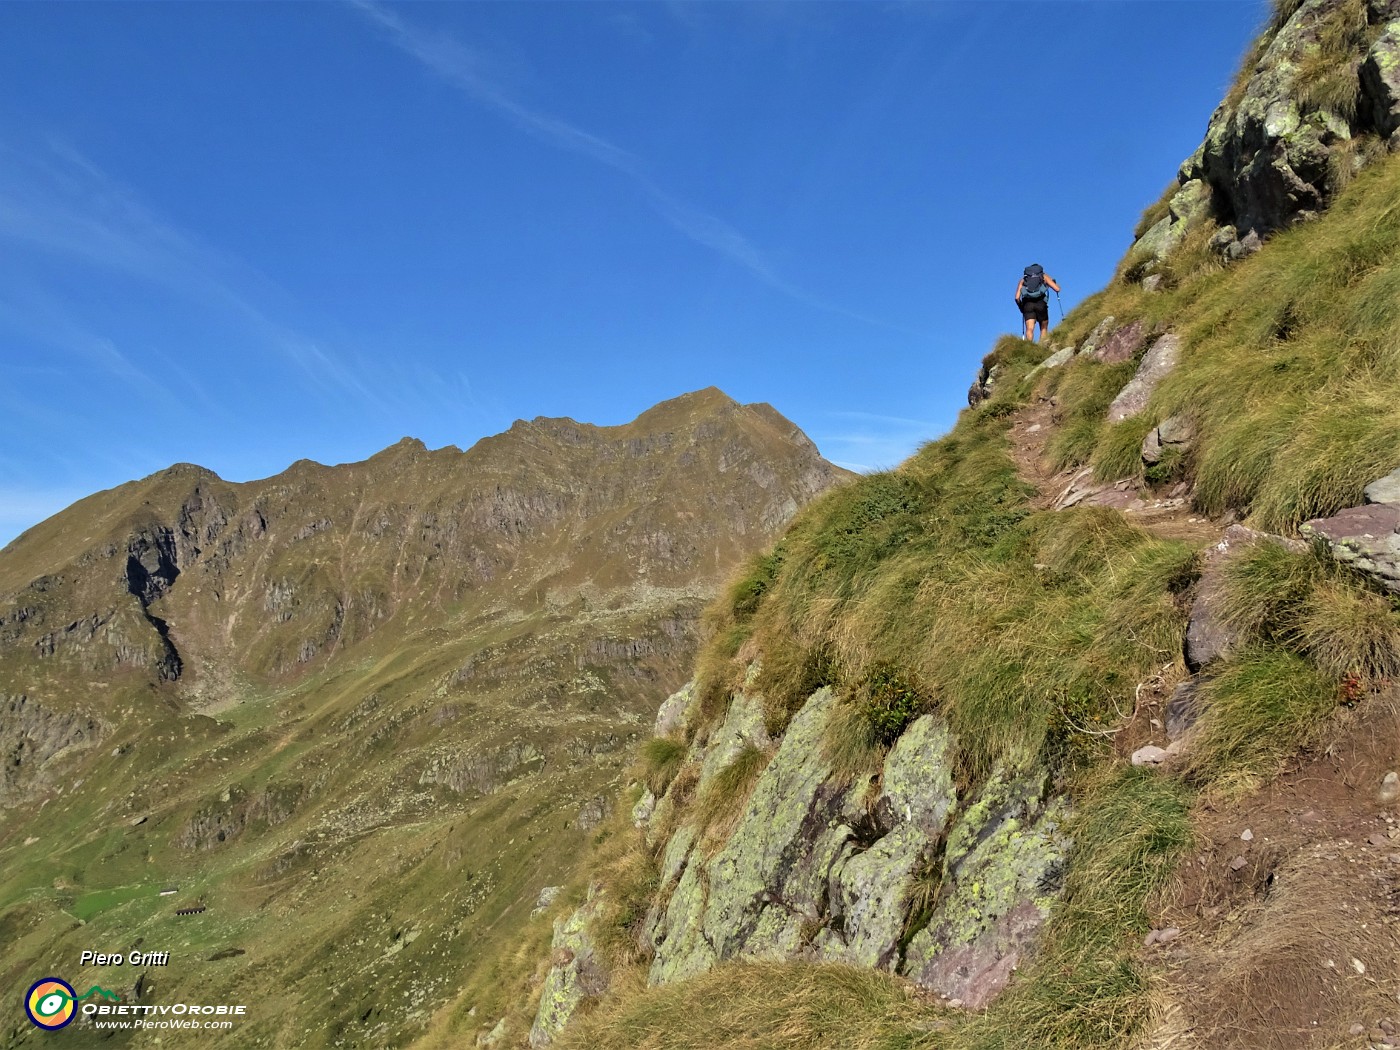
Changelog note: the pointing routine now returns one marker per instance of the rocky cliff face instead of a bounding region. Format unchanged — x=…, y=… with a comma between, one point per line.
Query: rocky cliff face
x=1318, y=100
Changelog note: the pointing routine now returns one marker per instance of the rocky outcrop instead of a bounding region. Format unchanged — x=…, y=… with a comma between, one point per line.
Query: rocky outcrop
x=576, y=974
x=984, y=384
x=1094, y=339
x=1366, y=537
x=32, y=734
x=906, y=877
x=235, y=810
x=1004, y=865
x=1284, y=143
x=1121, y=344
x=1173, y=434
x=1156, y=364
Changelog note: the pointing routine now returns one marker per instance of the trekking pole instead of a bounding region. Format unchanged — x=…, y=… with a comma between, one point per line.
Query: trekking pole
x=1062, y=305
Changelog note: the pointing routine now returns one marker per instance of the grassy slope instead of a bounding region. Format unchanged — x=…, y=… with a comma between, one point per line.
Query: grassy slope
x=1030, y=631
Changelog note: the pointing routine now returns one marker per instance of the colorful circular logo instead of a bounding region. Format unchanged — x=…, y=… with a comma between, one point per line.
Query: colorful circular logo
x=51, y=1003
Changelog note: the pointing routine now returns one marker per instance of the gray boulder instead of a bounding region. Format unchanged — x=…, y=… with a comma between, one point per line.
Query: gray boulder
x=1174, y=432
x=1384, y=490
x=1156, y=364
x=674, y=713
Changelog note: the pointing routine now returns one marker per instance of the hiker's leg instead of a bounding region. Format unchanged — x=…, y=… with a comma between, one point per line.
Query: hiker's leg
x=1030, y=324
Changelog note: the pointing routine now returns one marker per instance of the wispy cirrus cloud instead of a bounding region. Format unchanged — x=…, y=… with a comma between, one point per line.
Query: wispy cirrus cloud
x=866, y=441
x=468, y=71
x=56, y=203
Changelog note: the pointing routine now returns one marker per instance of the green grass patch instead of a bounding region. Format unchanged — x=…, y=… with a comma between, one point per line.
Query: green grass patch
x=661, y=758
x=1263, y=706
x=1118, y=453
x=1307, y=603
x=723, y=798
x=90, y=905
x=1085, y=392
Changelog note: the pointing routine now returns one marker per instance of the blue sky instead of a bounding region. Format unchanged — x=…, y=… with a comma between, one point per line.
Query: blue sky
x=244, y=234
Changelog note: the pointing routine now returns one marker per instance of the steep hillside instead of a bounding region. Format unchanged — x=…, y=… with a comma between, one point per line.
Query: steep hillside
x=1081, y=728
x=361, y=714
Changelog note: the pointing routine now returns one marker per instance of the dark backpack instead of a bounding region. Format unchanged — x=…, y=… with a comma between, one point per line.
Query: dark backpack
x=1033, y=282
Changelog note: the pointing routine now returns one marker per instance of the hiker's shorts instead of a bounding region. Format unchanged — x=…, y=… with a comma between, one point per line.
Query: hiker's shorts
x=1036, y=309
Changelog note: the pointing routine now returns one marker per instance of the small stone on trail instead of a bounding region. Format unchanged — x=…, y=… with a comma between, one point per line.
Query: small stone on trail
x=1238, y=863
x=1390, y=788
x=1149, y=755
x=1034, y=428
x=1357, y=1029
x=1394, y=858
x=1156, y=723
x=1247, y=835
x=1387, y=1026
x=1168, y=935
x=1379, y=838
x=1376, y=1035
x=1358, y=966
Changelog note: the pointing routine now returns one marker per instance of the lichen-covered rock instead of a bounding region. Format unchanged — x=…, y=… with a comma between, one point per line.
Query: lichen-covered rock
x=870, y=895
x=1122, y=345
x=817, y=868
x=1156, y=364
x=1003, y=866
x=1188, y=206
x=1367, y=538
x=917, y=785
x=1101, y=331
x=743, y=727
x=644, y=809
x=1055, y=360
x=1270, y=153
x=675, y=711
x=871, y=887
x=575, y=974
x=770, y=879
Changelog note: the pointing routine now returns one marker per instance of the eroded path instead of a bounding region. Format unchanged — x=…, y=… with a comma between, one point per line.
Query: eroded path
x=1167, y=514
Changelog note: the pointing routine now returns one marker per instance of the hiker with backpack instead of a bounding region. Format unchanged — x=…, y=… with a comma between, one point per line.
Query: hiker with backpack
x=1034, y=300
